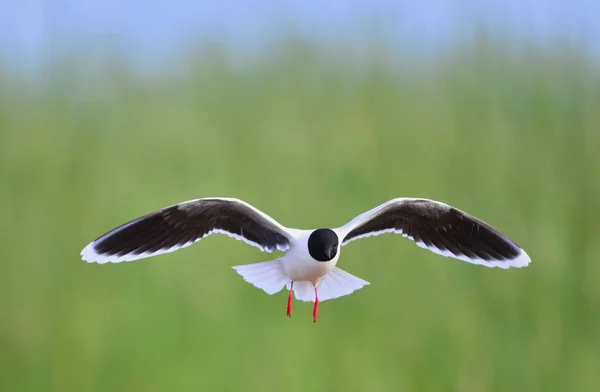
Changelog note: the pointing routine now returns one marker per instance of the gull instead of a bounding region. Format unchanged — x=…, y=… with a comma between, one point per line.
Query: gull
x=308, y=267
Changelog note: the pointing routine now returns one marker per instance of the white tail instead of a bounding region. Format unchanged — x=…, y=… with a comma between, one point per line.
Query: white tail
x=335, y=284
x=268, y=275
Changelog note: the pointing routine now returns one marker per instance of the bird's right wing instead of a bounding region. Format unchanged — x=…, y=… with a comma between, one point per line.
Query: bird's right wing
x=183, y=224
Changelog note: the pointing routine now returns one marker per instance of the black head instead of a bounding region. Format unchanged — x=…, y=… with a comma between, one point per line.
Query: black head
x=323, y=244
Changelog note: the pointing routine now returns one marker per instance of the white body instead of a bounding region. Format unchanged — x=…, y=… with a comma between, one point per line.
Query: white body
x=300, y=266
x=307, y=273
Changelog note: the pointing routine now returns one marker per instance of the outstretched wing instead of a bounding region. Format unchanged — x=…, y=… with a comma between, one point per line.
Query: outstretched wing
x=441, y=228
x=182, y=224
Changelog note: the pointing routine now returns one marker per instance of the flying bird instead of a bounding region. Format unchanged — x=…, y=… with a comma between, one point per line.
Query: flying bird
x=308, y=267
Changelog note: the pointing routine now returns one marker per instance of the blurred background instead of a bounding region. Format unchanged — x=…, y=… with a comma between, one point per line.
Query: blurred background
x=313, y=112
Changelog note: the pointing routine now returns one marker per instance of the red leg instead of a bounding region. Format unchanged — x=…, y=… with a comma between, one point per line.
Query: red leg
x=290, y=299
x=316, y=308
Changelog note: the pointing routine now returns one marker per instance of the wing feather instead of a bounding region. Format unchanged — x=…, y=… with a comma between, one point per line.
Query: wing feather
x=440, y=228
x=180, y=225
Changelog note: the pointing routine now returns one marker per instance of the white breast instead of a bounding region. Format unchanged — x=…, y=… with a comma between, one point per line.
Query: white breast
x=300, y=266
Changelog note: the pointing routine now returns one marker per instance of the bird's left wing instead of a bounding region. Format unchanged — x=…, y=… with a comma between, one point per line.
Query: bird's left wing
x=441, y=228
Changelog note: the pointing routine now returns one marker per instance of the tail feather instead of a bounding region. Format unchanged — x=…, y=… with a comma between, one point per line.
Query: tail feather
x=335, y=284
x=304, y=291
x=339, y=283
x=267, y=276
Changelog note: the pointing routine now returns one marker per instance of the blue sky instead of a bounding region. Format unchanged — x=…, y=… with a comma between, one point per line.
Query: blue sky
x=30, y=29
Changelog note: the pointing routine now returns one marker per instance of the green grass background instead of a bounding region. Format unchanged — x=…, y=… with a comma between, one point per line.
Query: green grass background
x=510, y=134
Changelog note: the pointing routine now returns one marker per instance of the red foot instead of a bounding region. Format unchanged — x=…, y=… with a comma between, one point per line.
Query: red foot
x=316, y=308
x=290, y=299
